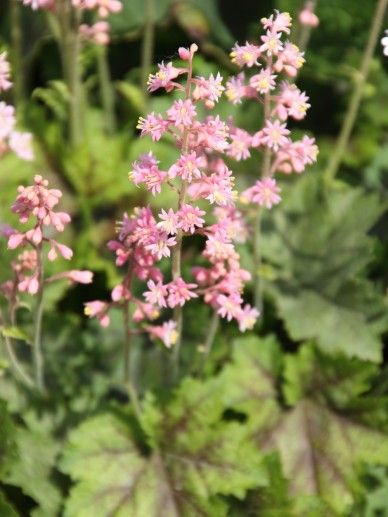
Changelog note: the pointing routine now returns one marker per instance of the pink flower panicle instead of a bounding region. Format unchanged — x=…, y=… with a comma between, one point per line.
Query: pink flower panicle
x=205, y=187
x=37, y=202
x=276, y=58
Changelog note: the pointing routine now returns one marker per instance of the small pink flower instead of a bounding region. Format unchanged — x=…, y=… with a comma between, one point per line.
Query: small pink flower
x=164, y=77
x=275, y=135
x=157, y=293
x=271, y=43
x=153, y=125
x=160, y=245
x=247, y=318
x=236, y=89
x=265, y=192
x=5, y=72
x=81, y=277
x=187, y=167
x=167, y=333
x=97, y=33
x=146, y=171
x=245, y=55
x=229, y=306
x=280, y=22
x=209, y=90
x=263, y=82
x=7, y=119
x=99, y=310
x=21, y=144
x=189, y=217
x=239, y=146
x=169, y=221
x=182, y=112
x=307, y=16
x=180, y=292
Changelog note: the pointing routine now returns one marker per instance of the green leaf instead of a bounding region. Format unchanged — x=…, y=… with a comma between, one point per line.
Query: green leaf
x=16, y=333
x=320, y=450
x=194, y=458
x=6, y=509
x=335, y=379
x=7, y=440
x=32, y=469
x=319, y=247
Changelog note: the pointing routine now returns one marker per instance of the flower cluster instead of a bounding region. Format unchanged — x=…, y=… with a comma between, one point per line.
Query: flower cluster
x=201, y=180
x=282, y=100
x=98, y=32
x=37, y=203
x=11, y=139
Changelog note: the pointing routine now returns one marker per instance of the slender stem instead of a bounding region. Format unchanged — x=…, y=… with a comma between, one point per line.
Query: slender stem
x=37, y=343
x=177, y=250
x=148, y=42
x=70, y=46
x=127, y=362
x=258, y=291
x=355, y=100
x=106, y=90
x=14, y=362
x=211, y=334
x=17, y=53
x=305, y=30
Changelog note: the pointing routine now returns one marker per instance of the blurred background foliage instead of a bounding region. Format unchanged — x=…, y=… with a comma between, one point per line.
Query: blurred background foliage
x=321, y=402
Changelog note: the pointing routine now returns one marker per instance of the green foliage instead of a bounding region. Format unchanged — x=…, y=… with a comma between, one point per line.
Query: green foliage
x=319, y=247
x=194, y=458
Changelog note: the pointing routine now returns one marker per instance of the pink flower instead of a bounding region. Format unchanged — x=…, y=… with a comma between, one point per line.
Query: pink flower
x=7, y=119
x=209, y=90
x=239, y=146
x=21, y=144
x=157, y=293
x=5, y=72
x=180, y=292
x=164, y=77
x=265, y=192
x=39, y=4
x=229, y=306
x=187, y=167
x=189, y=217
x=275, y=135
x=264, y=81
x=289, y=60
x=97, y=33
x=296, y=155
x=182, y=112
x=160, y=245
x=271, y=43
x=247, y=318
x=104, y=7
x=235, y=88
x=307, y=16
x=166, y=333
x=281, y=22
x=99, y=310
x=153, y=125
x=146, y=171
x=169, y=221
x=245, y=55
x=81, y=277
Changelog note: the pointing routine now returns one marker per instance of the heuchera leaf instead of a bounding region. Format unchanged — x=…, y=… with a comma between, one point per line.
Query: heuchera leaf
x=319, y=247
x=323, y=439
x=194, y=459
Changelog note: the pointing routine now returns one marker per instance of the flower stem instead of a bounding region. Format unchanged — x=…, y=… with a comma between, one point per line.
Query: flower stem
x=355, y=100
x=106, y=90
x=14, y=362
x=127, y=362
x=265, y=171
x=211, y=334
x=305, y=31
x=17, y=53
x=148, y=42
x=177, y=250
x=37, y=343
